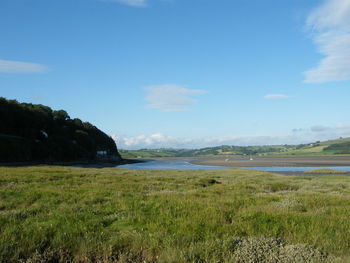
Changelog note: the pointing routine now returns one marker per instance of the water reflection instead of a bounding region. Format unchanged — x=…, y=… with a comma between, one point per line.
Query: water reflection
x=170, y=165
x=186, y=165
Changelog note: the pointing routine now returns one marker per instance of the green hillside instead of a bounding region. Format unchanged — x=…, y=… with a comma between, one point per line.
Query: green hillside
x=30, y=132
x=338, y=146
x=331, y=147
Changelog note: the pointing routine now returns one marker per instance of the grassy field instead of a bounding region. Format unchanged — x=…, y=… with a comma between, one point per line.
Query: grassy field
x=325, y=171
x=63, y=214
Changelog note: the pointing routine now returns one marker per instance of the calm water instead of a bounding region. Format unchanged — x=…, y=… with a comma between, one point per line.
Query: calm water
x=170, y=165
x=186, y=165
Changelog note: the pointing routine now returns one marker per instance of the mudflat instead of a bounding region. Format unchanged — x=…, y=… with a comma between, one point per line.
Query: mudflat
x=316, y=161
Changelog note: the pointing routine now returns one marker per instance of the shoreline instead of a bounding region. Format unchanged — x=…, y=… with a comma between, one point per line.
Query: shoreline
x=234, y=162
x=319, y=161
x=83, y=164
x=309, y=174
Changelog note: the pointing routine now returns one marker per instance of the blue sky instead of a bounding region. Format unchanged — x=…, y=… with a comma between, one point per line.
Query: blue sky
x=184, y=73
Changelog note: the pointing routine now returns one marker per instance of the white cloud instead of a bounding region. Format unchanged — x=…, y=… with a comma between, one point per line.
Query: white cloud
x=10, y=66
x=171, y=98
x=156, y=140
x=330, y=28
x=135, y=3
x=296, y=136
x=275, y=96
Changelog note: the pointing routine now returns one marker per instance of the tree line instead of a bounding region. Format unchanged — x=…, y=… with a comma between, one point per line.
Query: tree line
x=34, y=132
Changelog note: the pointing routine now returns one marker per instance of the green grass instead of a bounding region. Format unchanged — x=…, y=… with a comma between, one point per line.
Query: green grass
x=61, y=214
x=324, y=171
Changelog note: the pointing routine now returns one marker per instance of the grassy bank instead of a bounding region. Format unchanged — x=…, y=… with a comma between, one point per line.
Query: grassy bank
x=117, y=215
x=325, y=171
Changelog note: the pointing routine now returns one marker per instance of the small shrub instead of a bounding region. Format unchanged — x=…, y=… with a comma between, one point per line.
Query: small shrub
x=301, y=254
x=290, y=203
x=276, y=187
x=250, y=250
x=208, y=182
x=52, y=256
x=274, y=250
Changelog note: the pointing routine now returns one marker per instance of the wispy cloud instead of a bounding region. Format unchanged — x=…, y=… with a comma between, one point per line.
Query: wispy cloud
x=134, y=3
x=171, y=98
x=329, y=25
x=296, y=136
x=10, y=66
x=320, y=128
x=338, y=130
x=276, y=96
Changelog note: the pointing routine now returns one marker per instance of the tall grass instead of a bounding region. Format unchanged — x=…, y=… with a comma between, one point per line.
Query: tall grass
x=62, y=214
x=325, y=171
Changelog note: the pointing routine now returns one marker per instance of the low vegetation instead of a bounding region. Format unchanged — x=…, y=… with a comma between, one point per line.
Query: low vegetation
x=66, y=214
x=338, y=148
x=324, y=171
x=224, y=150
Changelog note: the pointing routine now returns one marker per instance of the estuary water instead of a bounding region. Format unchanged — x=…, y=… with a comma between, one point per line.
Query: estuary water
x=170, y=165
x=187, y=165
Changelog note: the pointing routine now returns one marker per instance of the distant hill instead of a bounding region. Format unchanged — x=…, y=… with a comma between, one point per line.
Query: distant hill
x=338, y=148
x=332, y=147
x=30, y=132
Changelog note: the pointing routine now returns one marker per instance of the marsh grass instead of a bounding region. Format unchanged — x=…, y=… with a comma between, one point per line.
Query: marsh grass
x=65, y=214
x=324, y=171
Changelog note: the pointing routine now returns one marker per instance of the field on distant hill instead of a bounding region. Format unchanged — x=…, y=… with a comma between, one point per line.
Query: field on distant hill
x=65, y=214
x=332, y=147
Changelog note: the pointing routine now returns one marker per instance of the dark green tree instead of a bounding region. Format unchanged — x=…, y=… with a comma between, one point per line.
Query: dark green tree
x=30, y=132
